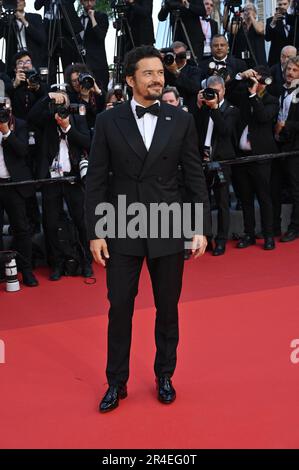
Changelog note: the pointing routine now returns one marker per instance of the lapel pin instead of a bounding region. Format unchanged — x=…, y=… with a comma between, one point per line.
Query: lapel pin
x=168, y=118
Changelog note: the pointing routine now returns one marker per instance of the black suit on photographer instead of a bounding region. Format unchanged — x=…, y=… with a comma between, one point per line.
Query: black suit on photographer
x=216, y=122
x=14, y=168
x=64, y=141
x=258, y=111
x=180, y=74
x=140, y=20
x=279, y=32
x=64, y=45
x=93, y=36
x=190, y=12
x=23, y=31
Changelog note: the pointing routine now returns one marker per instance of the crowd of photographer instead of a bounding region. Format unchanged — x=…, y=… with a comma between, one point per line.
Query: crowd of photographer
x=242, y=106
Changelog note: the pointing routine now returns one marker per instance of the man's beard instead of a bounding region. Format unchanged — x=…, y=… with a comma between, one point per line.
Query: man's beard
x=153, y=96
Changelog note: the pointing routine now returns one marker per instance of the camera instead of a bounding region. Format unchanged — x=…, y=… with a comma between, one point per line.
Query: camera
x=35, y=78
x=86, y=81
x=233, y=3
x=121, y=6
x=9, y=5
x=222, y=72
x=209, y=94
x=170, y=56
x=4, y=110
x=214, y=171
x=118, y=93
x=64, y=111
x=264, y=80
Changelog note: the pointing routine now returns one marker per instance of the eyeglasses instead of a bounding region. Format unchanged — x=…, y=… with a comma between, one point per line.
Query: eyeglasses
x=75, y=80
x=24, y=62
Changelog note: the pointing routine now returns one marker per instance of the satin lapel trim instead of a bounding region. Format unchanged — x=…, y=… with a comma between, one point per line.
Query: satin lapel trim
x=127, y=125
x=163, y=132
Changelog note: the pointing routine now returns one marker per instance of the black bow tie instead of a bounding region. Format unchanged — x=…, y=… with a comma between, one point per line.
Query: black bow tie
x=208, y=20
x=219, y=62
x=290, y=90
x=153, y=109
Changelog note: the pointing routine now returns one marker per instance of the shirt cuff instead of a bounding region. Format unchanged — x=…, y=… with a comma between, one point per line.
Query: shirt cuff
x=251, y=96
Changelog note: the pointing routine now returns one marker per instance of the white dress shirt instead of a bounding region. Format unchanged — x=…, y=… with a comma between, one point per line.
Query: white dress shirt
x=61, y=163
x=146, y=124
x=210, y=129
x=3, y=169
x=21, y=38
x=207, y=32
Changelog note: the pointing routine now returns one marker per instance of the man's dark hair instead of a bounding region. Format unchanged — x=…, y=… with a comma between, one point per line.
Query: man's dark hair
x=74, y=68
x=262, y=70
x=19, y=56
x=217, y=36
x=171, y=89
x=135, y=55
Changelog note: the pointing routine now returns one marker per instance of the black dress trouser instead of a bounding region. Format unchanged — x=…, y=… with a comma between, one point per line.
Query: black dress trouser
x=123, y=273
x=253, y=179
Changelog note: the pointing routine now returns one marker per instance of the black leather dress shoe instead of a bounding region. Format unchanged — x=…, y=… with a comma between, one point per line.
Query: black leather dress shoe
x=166, y=392
x=289, y=236
x=269, y=243
x=219, y=249
x=111, y=397
x=87, y=270
x=246, y=241
x=56, y=273
x=29, y=279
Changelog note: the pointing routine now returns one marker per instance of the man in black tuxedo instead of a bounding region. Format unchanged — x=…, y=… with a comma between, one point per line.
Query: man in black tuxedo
x=190, y=13
x=60, y=33
x=278, y=31
x=184, y=76
x=14, y=168
x=258, y=112
x=142, y=143
x=64, y=140
x=277, y=70
x=208, y=29
x=287, y=133
x=217, y=121
x=93, y=36
x=27, y=32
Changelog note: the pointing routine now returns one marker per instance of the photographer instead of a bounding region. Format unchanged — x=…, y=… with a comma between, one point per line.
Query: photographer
x=58, y=33
x=23, y=31
x=178, y=73
x=248, y=37
x=209, y=28
x=190, y=13
x=278, y=70
x=258, y=111
x=93, y=36
x=278, y=31
x=82, y=88
x=65, y=138
x=13, y=168
x=114, y=97
x=216, y=121
x=139, y=16
x=287, y=135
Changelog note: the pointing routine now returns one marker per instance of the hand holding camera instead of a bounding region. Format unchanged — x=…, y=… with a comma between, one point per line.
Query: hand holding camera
x=19, y=78
x=62, y=122
x=59, y=98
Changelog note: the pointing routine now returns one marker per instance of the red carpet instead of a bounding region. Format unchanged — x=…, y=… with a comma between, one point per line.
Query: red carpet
x=236, y=386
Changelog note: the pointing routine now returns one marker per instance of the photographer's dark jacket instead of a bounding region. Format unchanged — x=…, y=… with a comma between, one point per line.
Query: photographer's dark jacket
x=78, y=138
x=224, y=140
x=259, y=113
x=15, y=152
x=290, y=133
x=191, y=20
x=36, y=40
x=144, y=176
x=278, y=38
x=23, y=99
x=140, y=19
x=94, y=45
x=188, y=84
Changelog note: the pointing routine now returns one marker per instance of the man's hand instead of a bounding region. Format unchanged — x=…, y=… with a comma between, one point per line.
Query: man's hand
x=4, y=127
x=21, y=17
x=58, y=97
x=253, y=89
x=199, y=244
x=200, y=99
x=248, y=74
x=20, y=77
x=99, y=251
x=212, y=104
x=173, y=68
x=279, y=126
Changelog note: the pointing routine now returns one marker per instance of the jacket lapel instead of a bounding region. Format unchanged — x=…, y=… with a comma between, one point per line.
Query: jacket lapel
x=163, y=132
x=127, y=125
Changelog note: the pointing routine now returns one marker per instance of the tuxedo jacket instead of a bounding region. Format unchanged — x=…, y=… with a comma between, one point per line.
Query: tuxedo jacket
x=144, y=176
x=276, y=87
x=78, y=138
x=259, y=114
x=290, y=133
x=94, y=42
x=190, y=18
x=201, y=38
x=224, y=137
x=68, y=8
x=188, y=84
x=141, y=22
x=277, y=37
x=35, y=35
x=15, y=153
